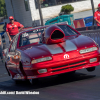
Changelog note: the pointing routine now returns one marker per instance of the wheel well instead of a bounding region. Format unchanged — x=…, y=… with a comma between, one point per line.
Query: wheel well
x=21, y=68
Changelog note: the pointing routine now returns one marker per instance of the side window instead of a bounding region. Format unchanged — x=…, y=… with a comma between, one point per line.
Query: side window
x=13, y=46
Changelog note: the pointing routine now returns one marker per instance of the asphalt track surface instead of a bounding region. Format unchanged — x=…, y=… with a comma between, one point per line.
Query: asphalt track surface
x=82, y=85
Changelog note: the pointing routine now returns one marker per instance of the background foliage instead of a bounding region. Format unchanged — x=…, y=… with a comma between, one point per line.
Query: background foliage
x=3, y=12
x=67, y=9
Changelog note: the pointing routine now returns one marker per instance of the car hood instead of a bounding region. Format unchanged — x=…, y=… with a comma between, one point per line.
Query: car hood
x=73, y=43
x=82, y=41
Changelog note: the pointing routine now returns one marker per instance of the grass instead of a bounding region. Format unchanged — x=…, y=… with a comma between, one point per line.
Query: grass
x=1, y=28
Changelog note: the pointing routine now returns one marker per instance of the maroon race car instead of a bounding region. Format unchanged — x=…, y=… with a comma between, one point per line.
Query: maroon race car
x=50, y=50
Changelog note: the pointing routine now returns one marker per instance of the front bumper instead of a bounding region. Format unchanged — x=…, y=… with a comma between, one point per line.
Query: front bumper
x=62, y=66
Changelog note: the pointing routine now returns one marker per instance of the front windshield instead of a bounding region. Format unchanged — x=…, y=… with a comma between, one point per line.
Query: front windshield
x=34, y=36
x=67, y=30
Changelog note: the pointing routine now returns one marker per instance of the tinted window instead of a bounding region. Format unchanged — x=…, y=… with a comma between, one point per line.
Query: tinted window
x=67, y=30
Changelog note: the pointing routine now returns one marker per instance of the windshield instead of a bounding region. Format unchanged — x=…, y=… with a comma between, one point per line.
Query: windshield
x=67, y=30
x=34, y=36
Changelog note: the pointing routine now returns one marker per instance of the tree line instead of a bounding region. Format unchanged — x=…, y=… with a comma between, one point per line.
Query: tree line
x=3, y=12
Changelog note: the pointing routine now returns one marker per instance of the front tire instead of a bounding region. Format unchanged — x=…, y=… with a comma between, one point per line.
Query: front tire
x=33, y=81
x=72, y=72
x=90, y=69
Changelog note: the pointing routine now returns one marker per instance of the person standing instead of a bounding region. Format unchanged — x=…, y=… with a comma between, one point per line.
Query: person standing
x=13, y=28
x=97, y=15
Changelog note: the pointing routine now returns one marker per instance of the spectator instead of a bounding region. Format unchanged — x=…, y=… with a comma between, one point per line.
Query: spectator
x=97, y=15
x=12, y=28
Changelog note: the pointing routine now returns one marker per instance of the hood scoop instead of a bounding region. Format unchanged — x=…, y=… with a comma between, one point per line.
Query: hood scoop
x=53, y=35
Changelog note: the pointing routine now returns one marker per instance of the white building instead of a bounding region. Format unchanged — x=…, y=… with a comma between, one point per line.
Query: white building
x=26, y=11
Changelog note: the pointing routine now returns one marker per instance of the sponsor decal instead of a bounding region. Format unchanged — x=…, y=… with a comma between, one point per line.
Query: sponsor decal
x=31, y=77
x=95, y=17
x=10, y=26
x=25, y=35
x=98, y=14
x=15, y=25
x=39, y=30
x=66, y=56
x=78, y=25
x=21, y=25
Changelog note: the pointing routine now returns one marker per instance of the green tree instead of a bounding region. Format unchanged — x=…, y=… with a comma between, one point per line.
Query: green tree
x=3, y=12
x=67, y=9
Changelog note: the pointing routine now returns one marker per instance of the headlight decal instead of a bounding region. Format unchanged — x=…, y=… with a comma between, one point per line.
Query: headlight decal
x=88, y=50
x=41, y=60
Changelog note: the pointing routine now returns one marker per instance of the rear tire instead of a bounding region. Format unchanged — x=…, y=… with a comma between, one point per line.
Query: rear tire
x=90, y=69
x=73, y=72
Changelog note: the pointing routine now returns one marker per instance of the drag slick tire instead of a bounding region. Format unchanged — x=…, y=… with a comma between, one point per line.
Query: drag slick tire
x=72, y=72
x=90, y=69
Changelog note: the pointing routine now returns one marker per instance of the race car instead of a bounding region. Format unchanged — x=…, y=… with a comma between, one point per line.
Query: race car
x=50, y=50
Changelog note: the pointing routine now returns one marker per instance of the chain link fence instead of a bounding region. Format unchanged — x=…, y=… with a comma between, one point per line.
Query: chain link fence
x=94, y=34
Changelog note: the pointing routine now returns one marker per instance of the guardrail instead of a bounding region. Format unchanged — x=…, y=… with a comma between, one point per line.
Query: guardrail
x=88, y=28
x=5, y=41
x=94, y=34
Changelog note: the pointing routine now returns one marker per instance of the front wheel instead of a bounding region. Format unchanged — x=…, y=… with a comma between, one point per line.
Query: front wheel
x=90, y=69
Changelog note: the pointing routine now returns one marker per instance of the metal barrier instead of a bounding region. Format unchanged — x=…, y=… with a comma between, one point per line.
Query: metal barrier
x=94, y=34
x=5, y=41
x=88, y=28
